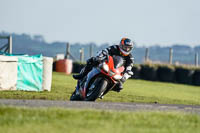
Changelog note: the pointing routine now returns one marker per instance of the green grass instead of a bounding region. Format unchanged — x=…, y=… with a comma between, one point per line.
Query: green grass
x=134, y=91
x=51, y=120
x=150, y=92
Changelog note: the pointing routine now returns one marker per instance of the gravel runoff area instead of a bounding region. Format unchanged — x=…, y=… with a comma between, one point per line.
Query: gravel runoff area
x=101, y=105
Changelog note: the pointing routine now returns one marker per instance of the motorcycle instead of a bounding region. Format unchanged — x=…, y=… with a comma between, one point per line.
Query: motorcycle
x=100, y=80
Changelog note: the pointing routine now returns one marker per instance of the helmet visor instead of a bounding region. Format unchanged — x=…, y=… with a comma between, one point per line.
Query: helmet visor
x=127, y=48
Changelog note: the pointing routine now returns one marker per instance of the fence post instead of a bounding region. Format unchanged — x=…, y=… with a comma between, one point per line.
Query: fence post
x=67, y=51
x=147, y=54
x=196, y=60
x=170, y=56
x=81, y=55
x=10, y=44
x=91, y=49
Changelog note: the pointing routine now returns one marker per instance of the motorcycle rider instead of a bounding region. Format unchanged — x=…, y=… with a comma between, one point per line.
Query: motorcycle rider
x=124, y=50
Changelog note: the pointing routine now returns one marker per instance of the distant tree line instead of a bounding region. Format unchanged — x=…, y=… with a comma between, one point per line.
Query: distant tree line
x=27, y=44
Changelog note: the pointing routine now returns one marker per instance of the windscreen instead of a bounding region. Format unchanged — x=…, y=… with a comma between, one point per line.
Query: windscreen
x=118, y=61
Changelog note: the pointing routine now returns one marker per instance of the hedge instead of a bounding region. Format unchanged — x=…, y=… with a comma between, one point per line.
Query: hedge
x=77, y=66
x=54, y=66
x=136, y=72
x=184, y=75
x=160, y=72
x=166, y=73
x=196, y=77
x=149, y=72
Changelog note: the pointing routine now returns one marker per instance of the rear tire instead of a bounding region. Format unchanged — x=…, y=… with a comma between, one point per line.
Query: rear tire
x=100, y=86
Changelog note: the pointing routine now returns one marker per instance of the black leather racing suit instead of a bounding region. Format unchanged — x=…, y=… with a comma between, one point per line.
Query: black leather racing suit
x=112, y=50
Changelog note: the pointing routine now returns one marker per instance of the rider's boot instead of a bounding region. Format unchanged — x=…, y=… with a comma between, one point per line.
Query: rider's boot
x=79, y=76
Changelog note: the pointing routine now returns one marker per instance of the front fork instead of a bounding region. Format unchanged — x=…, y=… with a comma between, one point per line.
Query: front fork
x=107, y=90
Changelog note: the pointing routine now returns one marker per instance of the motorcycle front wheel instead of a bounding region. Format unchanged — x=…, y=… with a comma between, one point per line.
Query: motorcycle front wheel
x=96, y=89
x=75, y=97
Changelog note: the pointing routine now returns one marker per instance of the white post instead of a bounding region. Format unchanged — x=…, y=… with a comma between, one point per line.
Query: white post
x=81, y=54
x=147, y=54
x=10, y=44
x=170, y=56
x=91, y=49
x=196, y=60
x=67, y=51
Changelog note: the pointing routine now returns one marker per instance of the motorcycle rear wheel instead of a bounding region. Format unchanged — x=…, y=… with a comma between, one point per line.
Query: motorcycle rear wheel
x=100, y=85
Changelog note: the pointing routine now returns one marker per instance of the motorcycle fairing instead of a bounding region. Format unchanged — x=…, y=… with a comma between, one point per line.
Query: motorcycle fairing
x=95, y=71
x=114, y=68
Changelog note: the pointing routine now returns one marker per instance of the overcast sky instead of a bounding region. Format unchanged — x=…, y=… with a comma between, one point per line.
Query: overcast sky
x=148, y=22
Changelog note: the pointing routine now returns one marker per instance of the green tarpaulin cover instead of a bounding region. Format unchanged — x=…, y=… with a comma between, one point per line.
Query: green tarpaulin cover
x=30, y=70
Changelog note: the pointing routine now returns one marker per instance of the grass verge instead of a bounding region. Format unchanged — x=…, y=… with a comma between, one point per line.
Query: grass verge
x=134, y=91
x=52, y=120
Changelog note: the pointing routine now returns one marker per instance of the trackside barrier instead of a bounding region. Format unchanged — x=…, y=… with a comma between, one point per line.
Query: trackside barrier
x=27, y=73
x=64, y=65
x=30, y=70
x=47, y=73
x=8, y=73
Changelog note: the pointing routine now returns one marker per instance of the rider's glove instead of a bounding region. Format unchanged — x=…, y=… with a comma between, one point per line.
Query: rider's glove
x=123, y=79
x=126, y=75
x=129, y=72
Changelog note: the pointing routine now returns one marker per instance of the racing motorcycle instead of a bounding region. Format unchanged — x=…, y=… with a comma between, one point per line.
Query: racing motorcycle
x=100, y=80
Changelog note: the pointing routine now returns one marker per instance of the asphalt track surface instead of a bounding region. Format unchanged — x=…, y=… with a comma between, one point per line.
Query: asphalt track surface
x=101, y=105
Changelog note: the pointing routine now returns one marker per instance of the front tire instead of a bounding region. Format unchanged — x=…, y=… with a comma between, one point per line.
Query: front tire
x=75, y=97
x=100, y=85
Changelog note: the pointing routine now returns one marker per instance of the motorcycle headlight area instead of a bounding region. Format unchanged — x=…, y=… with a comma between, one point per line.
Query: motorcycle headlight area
x=117, y=77
x=105, y=67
